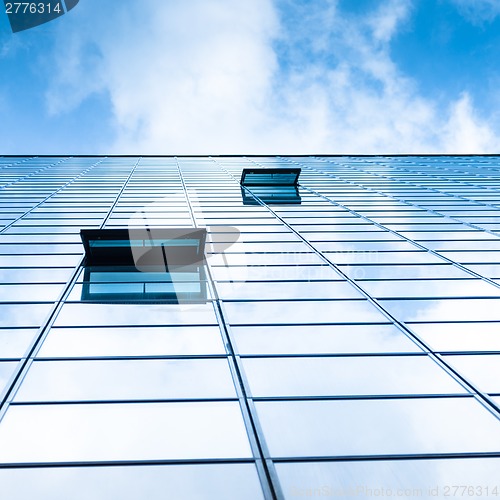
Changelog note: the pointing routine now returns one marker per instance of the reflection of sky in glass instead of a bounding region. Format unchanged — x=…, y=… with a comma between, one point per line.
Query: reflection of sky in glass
x=14, y=343
x=378, y=427
x=321, y=339
x=430, y=288
x=335, y=344
x=127, y=380
x=141, y=314
x=482, y=370
x=145, y=341
x=6, y=370
x=340, y=311
x=123, y=432
x=444, y=309
x=406, y=478
x=23, y=315
x=182, y=482
x=368, y=375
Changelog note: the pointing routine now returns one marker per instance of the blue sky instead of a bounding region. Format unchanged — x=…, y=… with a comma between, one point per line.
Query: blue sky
x=254, y=76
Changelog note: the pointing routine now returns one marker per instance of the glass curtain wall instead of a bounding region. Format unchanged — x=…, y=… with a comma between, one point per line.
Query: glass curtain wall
x=348, y=343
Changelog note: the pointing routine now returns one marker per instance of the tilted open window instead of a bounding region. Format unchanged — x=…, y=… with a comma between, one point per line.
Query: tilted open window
x=270, y=185
x=144, y=265
x=270, y=176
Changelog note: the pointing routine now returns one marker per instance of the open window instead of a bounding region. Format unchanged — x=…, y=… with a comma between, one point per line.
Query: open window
x=144, y=265
x=270, y=185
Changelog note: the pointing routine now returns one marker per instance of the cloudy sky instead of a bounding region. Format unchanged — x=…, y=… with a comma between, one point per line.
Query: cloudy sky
x=254, y=77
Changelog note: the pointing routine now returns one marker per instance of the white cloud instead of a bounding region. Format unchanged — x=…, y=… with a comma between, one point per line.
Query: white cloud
x=254, y=76
x=465, y=133
x=478, y=11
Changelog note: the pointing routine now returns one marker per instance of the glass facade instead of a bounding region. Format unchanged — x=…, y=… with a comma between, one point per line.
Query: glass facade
x=346, y=344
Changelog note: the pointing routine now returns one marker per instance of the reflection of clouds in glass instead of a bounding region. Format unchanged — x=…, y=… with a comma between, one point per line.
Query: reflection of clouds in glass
x=289, y=312
x=23, y=315
x=263, y=259
x=35, y=275
x=459, y=336
x=473, y=257
x=406, y=478
x=430, y=288
x=153, y=431
x=367, y=375
x=182, y=482
x=444, y=309
x=403, y=271
x=145, y=341
x=383, y=258
x=378, y=427
x=482, y=370
x=25, y=293
x=39, y=260
x=6, y=370
x=14, y=343
x=321, y=339
x=289, y=290
x=126, y=380
x=275, y=273
x=134, y=314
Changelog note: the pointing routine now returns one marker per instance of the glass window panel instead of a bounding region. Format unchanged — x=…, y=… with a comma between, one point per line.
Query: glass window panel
x=368, y=228
x=6, y=370
x=350, y=236
x=14, y=343
x=25, y=293
x=378, y=427
x=127, y=380
x=23, y=249
x=403, y=271
x=462, y=245
x=364, y=246
x=482, y=370
x=383, y=258
x=447, y=235
x=289, y=290
x=131, y=314
x=427, y=310
x=459, y=336
x=269, y=273
x=23, y=315
x=430, y=288
x=242, y=247
x=40, y=238
x=487, y=270
x=116, y=431
x=148, y=341
x=389, y=478
x=35, y=275
x=321, y=339
x=435, y=226
x=182, y=482
x=252, y=237
x=344, y=376
x=263, y=259
x=39, y=260
x=289, y=312
x=43, y=230
x=244, y=228
x=473, y=257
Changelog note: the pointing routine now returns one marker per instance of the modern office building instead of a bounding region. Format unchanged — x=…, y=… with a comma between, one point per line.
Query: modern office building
x=341, y=337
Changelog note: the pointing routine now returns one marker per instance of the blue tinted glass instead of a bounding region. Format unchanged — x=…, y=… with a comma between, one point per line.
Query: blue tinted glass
x=183, y=482
x=153, y=431
x=378, y=427
x=403, y=478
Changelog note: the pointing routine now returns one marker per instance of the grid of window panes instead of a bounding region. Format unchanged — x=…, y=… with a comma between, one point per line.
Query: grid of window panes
x=349, y=343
